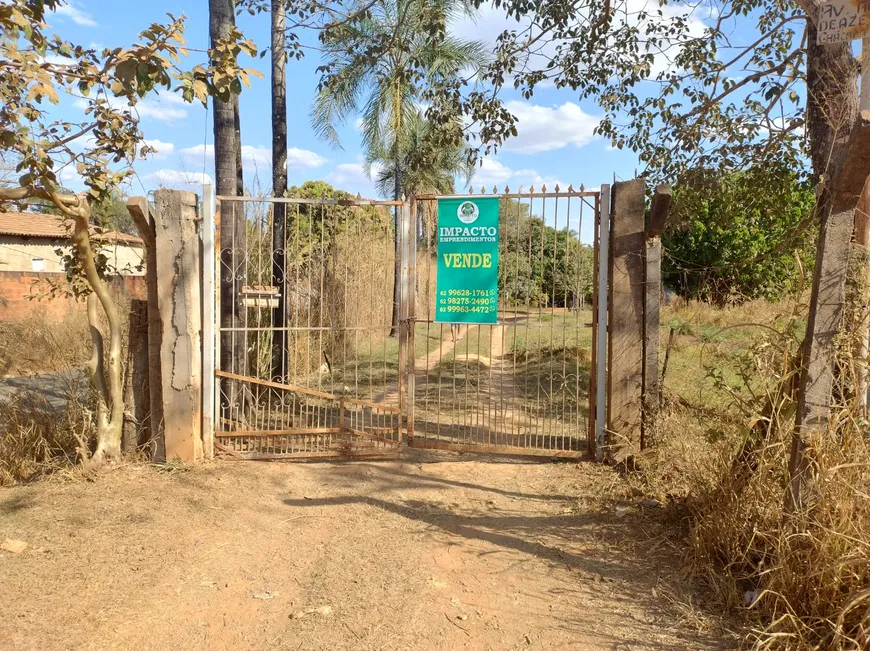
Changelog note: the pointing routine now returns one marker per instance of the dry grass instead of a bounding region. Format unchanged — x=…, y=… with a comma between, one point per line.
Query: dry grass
x=801, y=580
x=37, y=439
x=38, y=343
x=41, y=420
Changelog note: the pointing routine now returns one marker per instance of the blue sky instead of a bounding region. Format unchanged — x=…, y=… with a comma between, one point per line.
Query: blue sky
x=555, y=142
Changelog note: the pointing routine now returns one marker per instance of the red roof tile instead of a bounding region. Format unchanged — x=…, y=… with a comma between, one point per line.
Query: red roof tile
x=31, y=224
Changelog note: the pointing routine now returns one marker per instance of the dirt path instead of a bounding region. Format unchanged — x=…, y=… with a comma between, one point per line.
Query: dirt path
x=422, y=365
x=430, y=552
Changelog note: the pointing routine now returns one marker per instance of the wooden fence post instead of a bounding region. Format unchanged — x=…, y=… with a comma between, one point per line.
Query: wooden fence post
x=652, y=301
x=627, y=296
x=140, y=211
x=179, y=301
x=137, y=408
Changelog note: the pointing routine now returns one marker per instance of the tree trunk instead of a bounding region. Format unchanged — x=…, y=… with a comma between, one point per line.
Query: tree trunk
x=237, y=137
x=228, y=183
x=220, y=23
x=397, y=277
x=279, y=189
x=832, y=107
x=107, y=381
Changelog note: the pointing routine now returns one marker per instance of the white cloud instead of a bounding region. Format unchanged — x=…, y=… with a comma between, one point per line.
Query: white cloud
x=346, y=174
x=259, y=157
x=179, y=179
x=542, y=128
x=491, y=172
x=79, y=17
x=162, y=106
x=70, y=177
x=164, y=149
x=58, y=60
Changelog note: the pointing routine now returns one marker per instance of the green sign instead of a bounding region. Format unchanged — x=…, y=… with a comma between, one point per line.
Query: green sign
x=467, y=289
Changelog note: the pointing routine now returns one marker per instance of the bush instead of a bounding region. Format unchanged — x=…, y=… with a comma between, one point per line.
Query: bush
x=738, y=237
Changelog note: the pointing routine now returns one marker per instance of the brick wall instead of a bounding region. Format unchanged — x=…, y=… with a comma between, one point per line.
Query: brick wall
x=17, y=286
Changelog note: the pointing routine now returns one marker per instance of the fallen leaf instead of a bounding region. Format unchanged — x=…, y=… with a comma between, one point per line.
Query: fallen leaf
x=14, y=546
x=265, y=595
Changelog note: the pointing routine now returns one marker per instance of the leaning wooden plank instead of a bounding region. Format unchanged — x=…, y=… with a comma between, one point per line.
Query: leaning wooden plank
x=275, y=385
x=373, y=405
x=372, y=437
x=227, y=450
x=375, y=430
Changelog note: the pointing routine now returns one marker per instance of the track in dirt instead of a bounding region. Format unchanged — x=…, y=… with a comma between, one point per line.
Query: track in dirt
x=435, y=551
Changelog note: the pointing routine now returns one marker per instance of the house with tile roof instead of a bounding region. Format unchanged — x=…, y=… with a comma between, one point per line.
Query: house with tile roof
x=32, y=246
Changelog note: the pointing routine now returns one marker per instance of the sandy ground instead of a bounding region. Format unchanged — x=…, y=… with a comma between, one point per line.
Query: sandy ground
x=434, y=551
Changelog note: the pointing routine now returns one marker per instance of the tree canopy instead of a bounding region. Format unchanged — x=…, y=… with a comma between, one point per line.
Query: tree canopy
x=726, y=241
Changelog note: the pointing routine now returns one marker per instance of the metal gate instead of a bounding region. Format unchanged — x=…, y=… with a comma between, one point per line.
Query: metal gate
x=308, y=364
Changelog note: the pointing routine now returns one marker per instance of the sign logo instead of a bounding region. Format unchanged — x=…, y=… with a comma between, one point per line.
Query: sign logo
x=468, y=212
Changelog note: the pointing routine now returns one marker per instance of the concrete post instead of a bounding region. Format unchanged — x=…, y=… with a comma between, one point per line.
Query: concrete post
x=179, y=301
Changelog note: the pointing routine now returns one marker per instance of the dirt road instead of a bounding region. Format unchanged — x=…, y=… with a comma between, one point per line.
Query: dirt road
x=435, y=551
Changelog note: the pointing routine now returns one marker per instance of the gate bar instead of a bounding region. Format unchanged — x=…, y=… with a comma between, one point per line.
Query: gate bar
x=207, y=234
x=601, y=319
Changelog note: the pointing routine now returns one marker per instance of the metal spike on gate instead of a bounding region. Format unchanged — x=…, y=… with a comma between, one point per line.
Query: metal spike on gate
x=582, y=188
x=557, y=187
x=570, y=187
x=470, y=189
x=543, y=188
x=532, y=190
x=482, y=190
x=507, y=189
x=495, y=189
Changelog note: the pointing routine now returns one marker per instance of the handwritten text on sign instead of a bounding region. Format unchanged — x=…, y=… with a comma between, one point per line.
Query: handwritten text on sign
x=467, y=284
x=841, y=21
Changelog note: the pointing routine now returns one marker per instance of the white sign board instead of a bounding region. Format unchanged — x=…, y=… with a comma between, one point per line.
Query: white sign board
x=841, y=21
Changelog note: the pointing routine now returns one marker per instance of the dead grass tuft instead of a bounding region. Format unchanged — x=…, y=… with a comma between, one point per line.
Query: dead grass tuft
x=37, y=439
x=801, y=580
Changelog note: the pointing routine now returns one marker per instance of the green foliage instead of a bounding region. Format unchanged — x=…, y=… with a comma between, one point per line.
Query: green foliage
x=434, y=174
x=380, y=64
x=312, y=229
x=39, y=67
x=738, y=236
x=540, y=266
x=110, y=213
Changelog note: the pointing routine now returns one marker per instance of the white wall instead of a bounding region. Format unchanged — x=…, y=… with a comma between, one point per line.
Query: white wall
x=18, y=254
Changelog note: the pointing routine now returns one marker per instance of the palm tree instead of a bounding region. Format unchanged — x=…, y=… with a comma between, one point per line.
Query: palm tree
x=385, y=88
x=436, y=174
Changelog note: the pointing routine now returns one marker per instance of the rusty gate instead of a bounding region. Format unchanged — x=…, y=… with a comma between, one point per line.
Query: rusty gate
x=326, y=343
